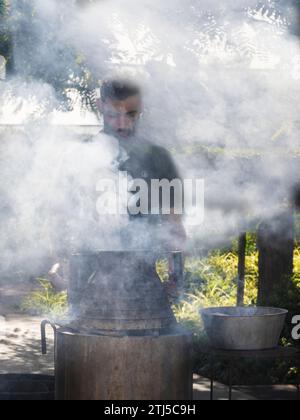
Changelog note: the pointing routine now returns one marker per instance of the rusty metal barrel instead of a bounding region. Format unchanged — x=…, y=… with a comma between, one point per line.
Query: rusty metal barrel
x=124, y=342
x=91, y=367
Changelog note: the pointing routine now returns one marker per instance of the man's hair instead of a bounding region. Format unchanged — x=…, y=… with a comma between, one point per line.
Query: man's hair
x=118, y=90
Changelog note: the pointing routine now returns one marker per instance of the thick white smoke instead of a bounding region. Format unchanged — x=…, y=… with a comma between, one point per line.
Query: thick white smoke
x=221, y=88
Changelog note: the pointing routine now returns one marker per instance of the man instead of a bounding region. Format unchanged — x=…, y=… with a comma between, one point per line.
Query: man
x=121, y=107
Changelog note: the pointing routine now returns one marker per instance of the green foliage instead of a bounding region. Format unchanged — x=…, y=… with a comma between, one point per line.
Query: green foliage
x=5, y=38
x=212, y=281
x=3, y=8
x=43, y=55
x=297, y=267
x=162, y=270
x=251, y=246
x=45, y=301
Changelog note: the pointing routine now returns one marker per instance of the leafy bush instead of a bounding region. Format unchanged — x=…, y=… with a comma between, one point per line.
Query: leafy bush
x=3, y=7
x=46, y=301
x=212, y=281
x=297, y=267
x=209, y=283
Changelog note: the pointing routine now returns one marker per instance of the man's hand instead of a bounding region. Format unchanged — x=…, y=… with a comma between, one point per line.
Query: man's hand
x=172, y=289
x=57, y=280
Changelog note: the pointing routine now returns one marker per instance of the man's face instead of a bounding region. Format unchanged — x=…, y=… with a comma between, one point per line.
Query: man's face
x=121, y=117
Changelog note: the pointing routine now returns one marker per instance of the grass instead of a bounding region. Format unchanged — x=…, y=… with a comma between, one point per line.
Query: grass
x=297, y=267
x=45, y=301
x=212, y=281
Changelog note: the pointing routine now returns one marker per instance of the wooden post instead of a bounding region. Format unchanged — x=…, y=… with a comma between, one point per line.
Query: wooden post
x=176, y=269
x=276, y=241
x=241, y=269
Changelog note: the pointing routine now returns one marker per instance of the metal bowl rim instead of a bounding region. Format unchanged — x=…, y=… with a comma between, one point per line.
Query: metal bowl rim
x=207, y=311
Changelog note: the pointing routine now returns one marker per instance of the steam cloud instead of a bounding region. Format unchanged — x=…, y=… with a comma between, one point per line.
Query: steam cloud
x=221, y=89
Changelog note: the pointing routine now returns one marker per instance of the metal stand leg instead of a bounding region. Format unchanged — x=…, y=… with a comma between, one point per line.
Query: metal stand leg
x=298, y=384
x=230, y=381
x=211, y=380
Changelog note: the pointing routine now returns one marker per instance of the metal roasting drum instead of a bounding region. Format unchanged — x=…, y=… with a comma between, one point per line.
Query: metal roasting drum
x=118, y=291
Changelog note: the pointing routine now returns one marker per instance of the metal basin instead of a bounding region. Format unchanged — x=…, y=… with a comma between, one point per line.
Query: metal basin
x=253, y=328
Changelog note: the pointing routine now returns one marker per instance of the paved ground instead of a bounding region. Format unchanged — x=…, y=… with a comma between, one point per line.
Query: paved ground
x=19, y=334
x=20, y=350
x=221, y=392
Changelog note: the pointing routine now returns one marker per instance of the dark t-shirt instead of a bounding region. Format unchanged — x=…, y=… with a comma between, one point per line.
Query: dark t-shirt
x=144, y=160
x=149, y=162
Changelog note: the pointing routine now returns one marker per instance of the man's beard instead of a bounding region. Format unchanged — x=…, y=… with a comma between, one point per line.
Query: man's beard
x=121, y=135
